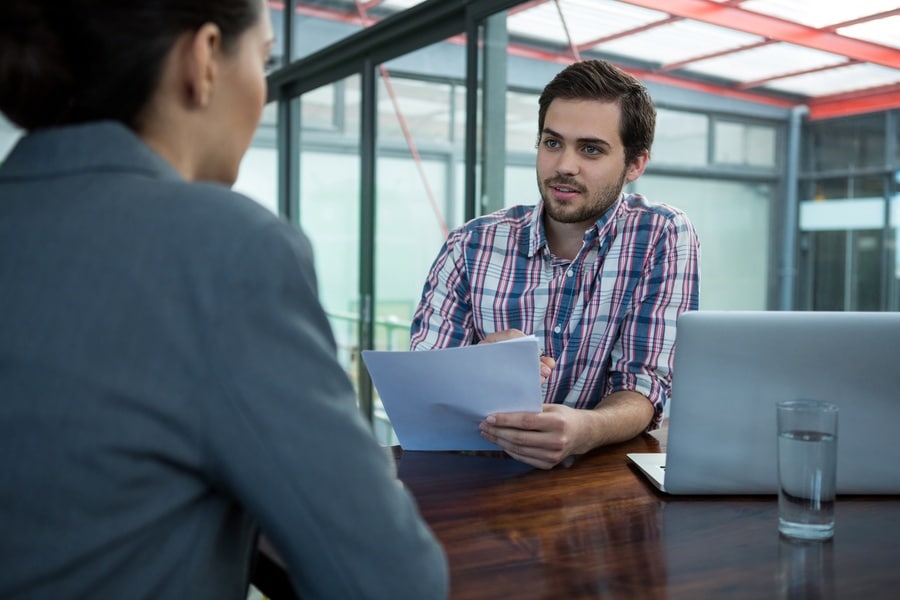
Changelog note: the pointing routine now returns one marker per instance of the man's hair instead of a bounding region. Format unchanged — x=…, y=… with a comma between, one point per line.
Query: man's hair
x=600, y=80
x=82, y=60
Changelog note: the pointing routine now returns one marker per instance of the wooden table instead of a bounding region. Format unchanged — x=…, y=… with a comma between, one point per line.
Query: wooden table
x=598, y=529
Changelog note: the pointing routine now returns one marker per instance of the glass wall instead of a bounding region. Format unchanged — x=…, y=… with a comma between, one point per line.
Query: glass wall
x=258, y=174
x=416, y=197
x=745, y=144
x=848, y=217
x=733, y=222
x=854, y=142
x=329, y=207
x=682, y=138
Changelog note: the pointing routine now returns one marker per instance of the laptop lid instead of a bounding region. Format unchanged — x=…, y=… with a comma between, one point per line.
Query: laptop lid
x=732, y=367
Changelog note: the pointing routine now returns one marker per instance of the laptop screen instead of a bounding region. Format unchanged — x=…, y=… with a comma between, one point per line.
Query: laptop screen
x=732, y=367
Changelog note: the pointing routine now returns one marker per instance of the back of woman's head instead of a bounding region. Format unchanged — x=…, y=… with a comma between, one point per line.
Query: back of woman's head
x=84, y=60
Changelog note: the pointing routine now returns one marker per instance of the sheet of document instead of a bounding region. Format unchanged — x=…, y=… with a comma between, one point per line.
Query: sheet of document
x=436, y=399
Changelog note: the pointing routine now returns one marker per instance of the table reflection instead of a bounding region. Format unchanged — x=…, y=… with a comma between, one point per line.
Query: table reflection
x=599, y=530
x=805, y=569
x=730, y=547
x=545, y=534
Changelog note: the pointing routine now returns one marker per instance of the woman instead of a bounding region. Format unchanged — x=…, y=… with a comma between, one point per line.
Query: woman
x=169, y=381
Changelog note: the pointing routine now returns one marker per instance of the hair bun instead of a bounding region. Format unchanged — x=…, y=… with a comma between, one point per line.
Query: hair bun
x=34, y=76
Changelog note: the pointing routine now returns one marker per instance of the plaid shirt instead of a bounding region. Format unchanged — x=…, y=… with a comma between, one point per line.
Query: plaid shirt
x=607, y=317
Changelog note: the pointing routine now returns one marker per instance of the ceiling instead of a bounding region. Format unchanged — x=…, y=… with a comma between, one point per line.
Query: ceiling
x=836, y=57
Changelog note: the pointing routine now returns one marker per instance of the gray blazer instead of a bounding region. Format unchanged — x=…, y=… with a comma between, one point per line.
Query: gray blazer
x=168, y=384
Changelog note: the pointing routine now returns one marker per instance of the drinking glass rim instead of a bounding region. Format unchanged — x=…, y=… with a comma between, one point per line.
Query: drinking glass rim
x=807, y=404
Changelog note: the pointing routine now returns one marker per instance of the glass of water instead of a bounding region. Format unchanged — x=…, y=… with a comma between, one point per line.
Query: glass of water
x=807, y=468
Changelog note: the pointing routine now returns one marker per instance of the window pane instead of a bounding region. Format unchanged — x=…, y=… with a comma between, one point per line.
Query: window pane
x=406, y=106
x=258, y=175
x=848, y=143
x=318, y=108
x=893, y=255
x=897, y=145
x=732, y=220
x=521, y=185
x=844, y=188
x=866, y=269
x=521, y=122
x=409, y=233
x=829, y=270
x=846, y=269
x=329, y=215
x=681, y=138
x=415, y=200
x=320, y=23
x=744, y=144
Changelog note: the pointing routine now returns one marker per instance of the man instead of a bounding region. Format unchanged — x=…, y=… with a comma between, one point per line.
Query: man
x=597, y=275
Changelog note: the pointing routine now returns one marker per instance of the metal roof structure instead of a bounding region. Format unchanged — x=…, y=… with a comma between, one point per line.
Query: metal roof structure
x=838, y=58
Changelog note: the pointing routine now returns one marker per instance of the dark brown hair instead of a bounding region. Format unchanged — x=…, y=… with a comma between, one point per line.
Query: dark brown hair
x=83, y=60
x=600, y=80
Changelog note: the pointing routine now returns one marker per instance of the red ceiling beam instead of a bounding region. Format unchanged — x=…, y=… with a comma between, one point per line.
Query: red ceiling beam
x=733, y=17
x=321, y=12
x=851, y=103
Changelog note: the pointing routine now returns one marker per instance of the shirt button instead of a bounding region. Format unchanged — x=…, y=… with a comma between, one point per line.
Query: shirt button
x=570, y=272
x=557, y=329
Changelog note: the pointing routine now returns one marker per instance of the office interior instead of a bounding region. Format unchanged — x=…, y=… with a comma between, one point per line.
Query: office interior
x=391, y=122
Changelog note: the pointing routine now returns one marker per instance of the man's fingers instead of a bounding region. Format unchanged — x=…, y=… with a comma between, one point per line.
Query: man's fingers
x=499, y=336
x=516, y=420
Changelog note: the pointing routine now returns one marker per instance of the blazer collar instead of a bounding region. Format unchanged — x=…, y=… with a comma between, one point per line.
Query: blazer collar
x=97, y=146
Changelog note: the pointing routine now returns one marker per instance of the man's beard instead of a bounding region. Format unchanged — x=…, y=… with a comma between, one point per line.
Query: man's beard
x=597, y=203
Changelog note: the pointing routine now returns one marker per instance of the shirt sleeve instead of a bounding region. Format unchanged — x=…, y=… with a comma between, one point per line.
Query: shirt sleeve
x=286, y=438
x=443, y=318
x=642, y=357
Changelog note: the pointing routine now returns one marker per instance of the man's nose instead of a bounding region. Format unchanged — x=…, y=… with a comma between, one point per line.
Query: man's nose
x=568, y=163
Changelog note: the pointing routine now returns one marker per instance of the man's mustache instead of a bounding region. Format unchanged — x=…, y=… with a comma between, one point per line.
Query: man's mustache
x=563, y=182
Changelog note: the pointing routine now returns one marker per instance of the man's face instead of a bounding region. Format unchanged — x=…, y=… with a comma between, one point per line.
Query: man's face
x=581, y=160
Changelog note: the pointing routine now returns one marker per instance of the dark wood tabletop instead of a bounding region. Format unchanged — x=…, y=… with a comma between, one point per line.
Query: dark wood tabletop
x=598, y=529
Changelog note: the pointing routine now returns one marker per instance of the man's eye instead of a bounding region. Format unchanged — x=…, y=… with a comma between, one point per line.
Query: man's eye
x=592, y=150
x=551, y=143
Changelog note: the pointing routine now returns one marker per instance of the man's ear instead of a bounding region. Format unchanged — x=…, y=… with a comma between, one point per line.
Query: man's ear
x=202, y=52
x=637, y=166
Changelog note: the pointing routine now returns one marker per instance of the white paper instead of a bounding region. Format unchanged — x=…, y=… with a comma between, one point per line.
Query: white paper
x=436, y=399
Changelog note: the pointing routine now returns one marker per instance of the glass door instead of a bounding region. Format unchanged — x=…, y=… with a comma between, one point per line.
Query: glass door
x=844, y=270
x=328, y=205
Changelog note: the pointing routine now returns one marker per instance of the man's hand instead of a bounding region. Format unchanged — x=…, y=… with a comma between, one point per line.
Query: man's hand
x=550, y=437
x=547, y=362
x=543, y=439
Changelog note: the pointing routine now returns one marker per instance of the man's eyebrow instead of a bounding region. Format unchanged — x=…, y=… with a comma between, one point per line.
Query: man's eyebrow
x=583, y=140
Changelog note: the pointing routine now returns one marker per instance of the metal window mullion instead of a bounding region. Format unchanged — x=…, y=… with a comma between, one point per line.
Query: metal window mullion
x=368, y=122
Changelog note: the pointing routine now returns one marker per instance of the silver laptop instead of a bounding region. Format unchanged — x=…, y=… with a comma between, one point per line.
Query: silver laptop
x=732, y=367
